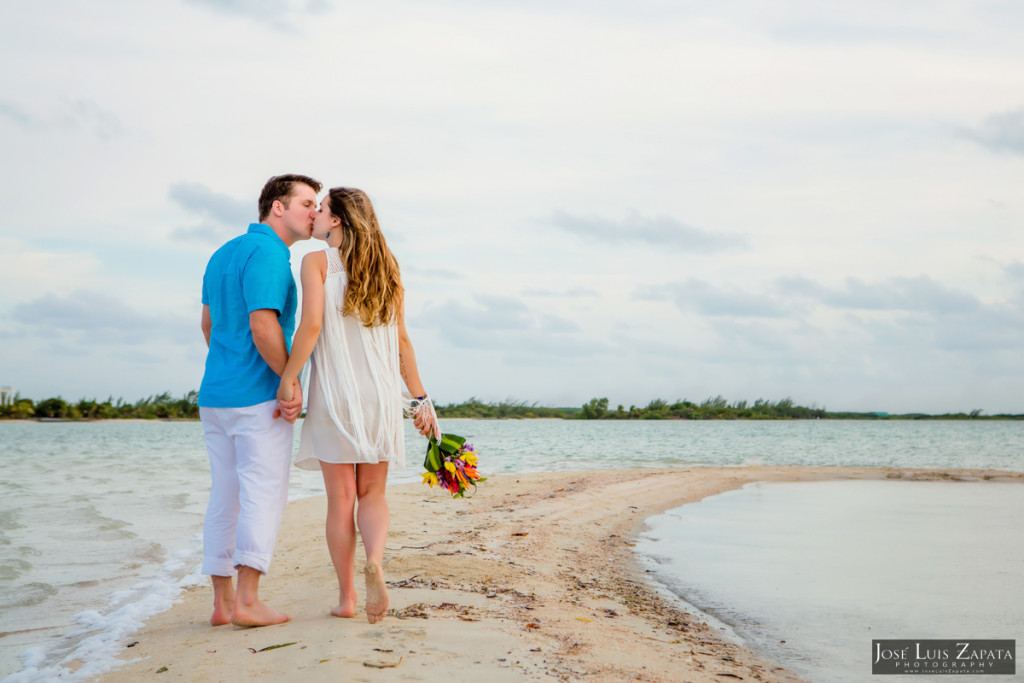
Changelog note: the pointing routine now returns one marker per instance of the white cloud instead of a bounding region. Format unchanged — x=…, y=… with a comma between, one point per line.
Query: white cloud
x=101, y=320
x=719, y=184
x=659, y=232
x=1003, y=132
x=221, y=215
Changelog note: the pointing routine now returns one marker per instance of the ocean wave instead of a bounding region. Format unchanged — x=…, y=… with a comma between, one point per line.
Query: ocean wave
x=148, y=554
x=25, y=595
x=12, y=569
x=93, y=648
x=178, y=501
x=9, y=519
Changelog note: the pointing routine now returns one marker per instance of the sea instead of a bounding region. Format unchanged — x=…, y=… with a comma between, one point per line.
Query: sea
x=100, y=528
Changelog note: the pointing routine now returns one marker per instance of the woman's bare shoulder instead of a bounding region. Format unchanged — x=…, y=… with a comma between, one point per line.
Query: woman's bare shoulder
x=315, y=257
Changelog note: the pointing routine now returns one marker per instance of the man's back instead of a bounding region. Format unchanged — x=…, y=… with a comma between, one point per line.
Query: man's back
x=248, y=273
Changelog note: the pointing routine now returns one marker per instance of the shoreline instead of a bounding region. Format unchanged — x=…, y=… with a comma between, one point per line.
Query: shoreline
x=534, y=577
x=894, y=418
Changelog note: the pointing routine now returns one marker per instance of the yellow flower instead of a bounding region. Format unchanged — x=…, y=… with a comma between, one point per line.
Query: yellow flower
x=450, y=467
x=429, y=478
x=470, y=457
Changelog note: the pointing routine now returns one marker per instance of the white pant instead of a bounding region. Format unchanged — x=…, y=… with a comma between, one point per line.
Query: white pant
x=250, y=457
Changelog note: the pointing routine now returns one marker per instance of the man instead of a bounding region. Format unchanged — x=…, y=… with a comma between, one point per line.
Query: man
x=249, y=304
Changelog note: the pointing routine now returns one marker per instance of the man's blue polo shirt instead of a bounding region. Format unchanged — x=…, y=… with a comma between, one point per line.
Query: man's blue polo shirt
x=250, y=272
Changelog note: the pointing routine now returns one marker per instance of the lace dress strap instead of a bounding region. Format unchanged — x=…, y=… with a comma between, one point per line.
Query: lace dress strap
x=334, y=265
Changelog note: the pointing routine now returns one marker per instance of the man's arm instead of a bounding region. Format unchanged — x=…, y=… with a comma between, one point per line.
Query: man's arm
x=268, y=338
x=207, y=324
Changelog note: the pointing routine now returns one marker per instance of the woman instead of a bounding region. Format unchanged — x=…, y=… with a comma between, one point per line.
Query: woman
x=353, y=324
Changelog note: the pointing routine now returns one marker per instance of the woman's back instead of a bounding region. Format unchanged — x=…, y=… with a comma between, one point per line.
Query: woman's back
x=354, y=411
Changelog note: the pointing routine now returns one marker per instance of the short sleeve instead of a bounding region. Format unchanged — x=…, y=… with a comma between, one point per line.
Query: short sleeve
x=266, y=279
x=206, y=294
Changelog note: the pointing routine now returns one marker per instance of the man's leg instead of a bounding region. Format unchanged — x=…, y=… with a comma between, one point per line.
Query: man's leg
x=264, y=451
x=221, y=515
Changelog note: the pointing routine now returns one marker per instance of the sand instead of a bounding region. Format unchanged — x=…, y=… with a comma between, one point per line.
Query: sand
x=534, y=578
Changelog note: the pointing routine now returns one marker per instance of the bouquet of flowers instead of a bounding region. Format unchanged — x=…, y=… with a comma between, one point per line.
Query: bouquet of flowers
x=451, y=464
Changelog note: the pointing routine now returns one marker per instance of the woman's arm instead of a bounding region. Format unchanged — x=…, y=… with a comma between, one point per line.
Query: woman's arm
x=426, y=421
x=313, y=274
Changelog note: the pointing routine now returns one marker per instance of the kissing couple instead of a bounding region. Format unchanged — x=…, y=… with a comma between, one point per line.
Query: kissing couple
x=353, y=328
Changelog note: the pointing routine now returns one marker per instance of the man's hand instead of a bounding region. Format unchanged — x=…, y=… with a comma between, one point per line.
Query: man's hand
x=289, y=410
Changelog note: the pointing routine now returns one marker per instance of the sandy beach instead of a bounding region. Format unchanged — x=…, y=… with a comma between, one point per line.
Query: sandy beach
x=534, y=578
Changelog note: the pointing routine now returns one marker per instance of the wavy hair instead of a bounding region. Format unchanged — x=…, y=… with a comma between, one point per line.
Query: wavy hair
x=374, y=291
x=282, y=187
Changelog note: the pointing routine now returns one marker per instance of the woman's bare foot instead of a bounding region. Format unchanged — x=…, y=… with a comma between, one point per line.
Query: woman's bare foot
x=257, y=614
x=346, y=605
x=376, y=593
x=345, y=611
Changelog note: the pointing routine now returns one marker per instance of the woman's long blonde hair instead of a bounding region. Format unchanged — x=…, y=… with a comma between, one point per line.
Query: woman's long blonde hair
x=374, y=291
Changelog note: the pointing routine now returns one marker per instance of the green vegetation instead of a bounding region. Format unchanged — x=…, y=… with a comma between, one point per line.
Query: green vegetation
x=162, y=407
x=716, y=408
x=507, y=409
x=165, y=407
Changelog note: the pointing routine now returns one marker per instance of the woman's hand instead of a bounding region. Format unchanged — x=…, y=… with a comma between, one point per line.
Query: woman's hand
x=285, y=390
x=425, y=419
x=289, y=400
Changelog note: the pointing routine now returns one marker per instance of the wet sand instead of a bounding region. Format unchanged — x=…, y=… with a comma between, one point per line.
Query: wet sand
x=534, y=578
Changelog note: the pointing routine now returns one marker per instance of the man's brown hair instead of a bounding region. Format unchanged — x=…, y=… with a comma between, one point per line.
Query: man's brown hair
x=280, y=188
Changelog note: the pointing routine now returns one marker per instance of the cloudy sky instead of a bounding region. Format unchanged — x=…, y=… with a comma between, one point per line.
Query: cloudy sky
x=644, y=199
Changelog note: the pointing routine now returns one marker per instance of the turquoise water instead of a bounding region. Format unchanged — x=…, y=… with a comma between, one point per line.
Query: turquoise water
x=809, y=573
x=99, y=522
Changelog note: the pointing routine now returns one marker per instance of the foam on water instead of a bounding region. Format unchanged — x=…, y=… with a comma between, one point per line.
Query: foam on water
x=809, y=573
x=91, y=649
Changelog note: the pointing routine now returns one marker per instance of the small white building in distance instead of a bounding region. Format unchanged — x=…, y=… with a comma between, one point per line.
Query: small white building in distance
x=6, y=396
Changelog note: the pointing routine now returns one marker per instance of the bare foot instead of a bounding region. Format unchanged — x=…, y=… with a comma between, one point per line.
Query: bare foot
x=376, y=594
x=257, y=614
x=223, y=600
x=346, y=605
x=221, y=614
x=346, y=610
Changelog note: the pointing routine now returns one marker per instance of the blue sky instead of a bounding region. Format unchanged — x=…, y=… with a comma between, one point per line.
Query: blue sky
x=632, y=200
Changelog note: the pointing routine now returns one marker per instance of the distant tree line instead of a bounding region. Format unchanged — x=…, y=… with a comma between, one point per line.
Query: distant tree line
x=716, y=408
x=163, y=406
x=166, y=407
x=507, y=409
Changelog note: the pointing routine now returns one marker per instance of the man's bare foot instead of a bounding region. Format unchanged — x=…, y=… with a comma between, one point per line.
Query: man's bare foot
x=221, y=614
x=376, y=594
x=223, y=600
x=257, y=614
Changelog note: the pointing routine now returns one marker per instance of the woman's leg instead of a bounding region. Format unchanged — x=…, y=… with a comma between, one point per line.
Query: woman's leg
x=340, y=482
x=373, y=518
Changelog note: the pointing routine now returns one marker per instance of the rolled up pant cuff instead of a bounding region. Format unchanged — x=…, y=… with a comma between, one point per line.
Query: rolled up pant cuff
x=218, y=566
x=260, y=563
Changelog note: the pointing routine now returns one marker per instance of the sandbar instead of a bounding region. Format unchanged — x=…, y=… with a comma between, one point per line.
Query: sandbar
x=533, y=578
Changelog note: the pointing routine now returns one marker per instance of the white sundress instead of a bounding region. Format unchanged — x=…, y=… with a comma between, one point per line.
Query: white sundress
x=355, y=406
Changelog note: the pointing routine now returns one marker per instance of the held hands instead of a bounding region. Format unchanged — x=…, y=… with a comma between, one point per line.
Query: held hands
x=289, y=400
